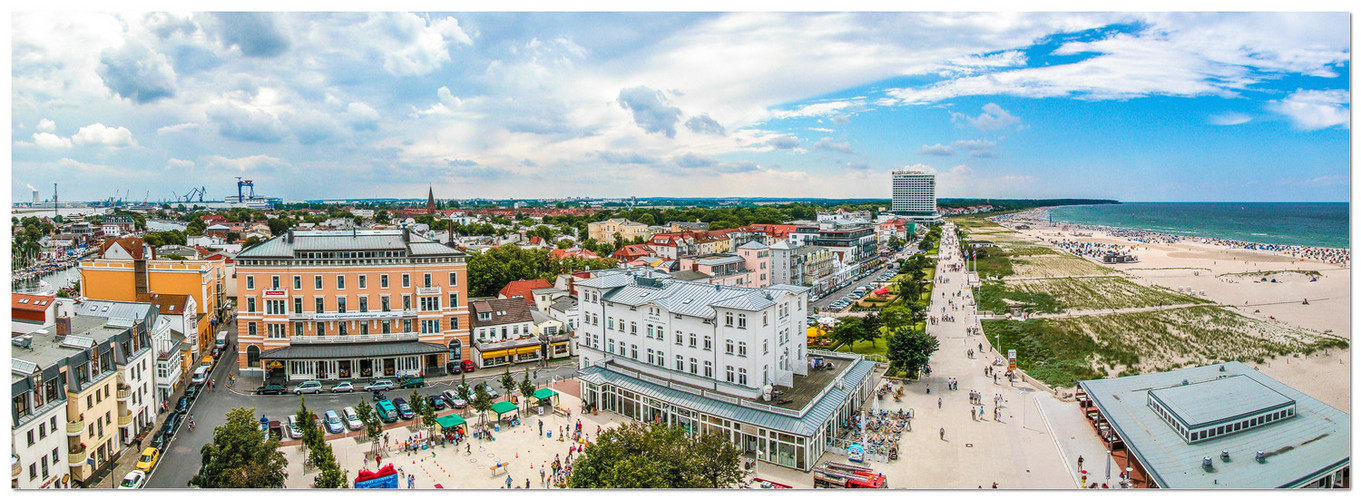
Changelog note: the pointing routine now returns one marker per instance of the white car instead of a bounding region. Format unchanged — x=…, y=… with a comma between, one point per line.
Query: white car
x=308, y=387
x=352, y=419
x=292, y=428
x=343, y=387
x=379, y=385
x=134, y=480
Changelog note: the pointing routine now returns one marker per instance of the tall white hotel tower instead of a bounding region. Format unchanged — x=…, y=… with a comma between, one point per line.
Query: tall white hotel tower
x=914, y=195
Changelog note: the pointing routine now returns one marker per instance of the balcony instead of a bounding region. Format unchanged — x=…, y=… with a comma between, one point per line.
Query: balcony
x=76, y=455
x=15, y=468
x=124, y=392
x=428, y=290
x=77, y=427
x=125, y=418
x=354, y=338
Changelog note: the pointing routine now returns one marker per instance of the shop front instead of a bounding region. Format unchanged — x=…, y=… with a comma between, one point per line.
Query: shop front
x=352, y=361
x=524, y=350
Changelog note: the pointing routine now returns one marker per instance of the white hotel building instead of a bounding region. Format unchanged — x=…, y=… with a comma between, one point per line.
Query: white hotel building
x=703, y=356
x=914, y=196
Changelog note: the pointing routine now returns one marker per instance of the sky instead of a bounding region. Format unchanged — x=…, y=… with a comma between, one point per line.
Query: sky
x=1127, y=106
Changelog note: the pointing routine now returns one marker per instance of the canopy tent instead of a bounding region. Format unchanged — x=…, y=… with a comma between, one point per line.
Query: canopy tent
x=881, y=291
x=815, y=332
x=546, y=394
x=503, y=408
x=450, y=421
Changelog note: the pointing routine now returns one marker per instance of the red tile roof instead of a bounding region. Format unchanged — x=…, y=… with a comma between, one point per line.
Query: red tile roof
x=170, y=304
x=522, y=289
x=131, y=244
x=27, y=302
x=631, y=252
x=559, y=253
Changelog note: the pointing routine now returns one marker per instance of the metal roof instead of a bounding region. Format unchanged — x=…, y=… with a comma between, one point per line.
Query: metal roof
x=719, y=260
x=1315, y=440
x=315, y=241
x=1218, y=400
x=684, y=297
x=822, y=410
x=352, y=350
x=563, y=303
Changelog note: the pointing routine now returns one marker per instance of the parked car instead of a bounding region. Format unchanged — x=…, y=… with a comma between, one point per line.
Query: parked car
x=452, y=398
x=308, y=387
x=386, y=411
x=182, y=405
x=343, y=387
x=191, y=392
x=333, y=422
x=270, y=389
x=437, y=402
x=468, y=366
x=171, y=422
x=413, y=382
x=294, y=432
x=352, y=419
x=148, y=459
x=379, y=385
x=404, y=410
x=455, y=368
x=134, y=480
x=490, y=391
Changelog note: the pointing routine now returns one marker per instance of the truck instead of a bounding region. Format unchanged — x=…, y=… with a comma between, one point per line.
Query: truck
x=838, y=475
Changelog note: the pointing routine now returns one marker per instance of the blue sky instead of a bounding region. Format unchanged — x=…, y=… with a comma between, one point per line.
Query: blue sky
x=1137, y=107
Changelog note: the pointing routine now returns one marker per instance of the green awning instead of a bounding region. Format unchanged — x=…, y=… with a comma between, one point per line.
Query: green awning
x=504, y=407
x=450, y=421
x=544, y=393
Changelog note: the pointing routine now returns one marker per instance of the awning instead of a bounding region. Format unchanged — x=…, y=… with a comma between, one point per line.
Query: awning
x=526, y=350
x=495, y=354
x=504, y=407
x=353, y=350
x=544, y=393
x=450, y=421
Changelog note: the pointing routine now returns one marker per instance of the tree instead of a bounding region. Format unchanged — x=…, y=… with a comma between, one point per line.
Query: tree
x=279, y=225
x=656, y=456
x=232, y=236
x=330, y=476
x=428, y=415
x=195, y=227
x=847, y=331
x=895, y=242
x=382, y=217
x=373, y=424
x=250, y=242
x=311, y=434
x=481, y=402
x=238, y=458
x=869, y=327
x=527, y=389
x=909, y=349
x=507, y=382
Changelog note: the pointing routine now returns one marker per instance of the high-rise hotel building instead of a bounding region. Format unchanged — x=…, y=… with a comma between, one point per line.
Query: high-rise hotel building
x=914, y=195
x=342, y=305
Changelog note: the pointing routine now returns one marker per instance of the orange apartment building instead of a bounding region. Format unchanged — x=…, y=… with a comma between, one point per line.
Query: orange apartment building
x=345, y=305
x=127, y=270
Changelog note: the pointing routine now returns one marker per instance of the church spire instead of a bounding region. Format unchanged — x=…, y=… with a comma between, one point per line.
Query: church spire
x=430, y=204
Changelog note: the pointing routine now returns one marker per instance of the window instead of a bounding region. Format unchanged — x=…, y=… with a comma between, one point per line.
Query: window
x=406, y=326
x=383, y=280
x=453, y=299
x=730, y=373
x=276, y=307
x=742, y=321
x=387, y=327
x=340, y=282
x=340, y=304
x=611, y=323
x=742, y=349
x=274, y=282
x=298, y=329
x=297, y=282
x=344, y=327
x=679, y=337
x=727, y=319
x=250, y=329
x=692, y=341
x=693, y=366
x=765, y=319
x=729, y=345
x=406, y=302
x=250, y=304
x=708, y=343
x=406, y=281
x=277, y=331
x=633, y=328
x=649, y=331
x=742, y=376
x=297, y=304
x=250, y=282
x=765, y=346
x=428, y=283
x=384, y=300
x=453, y=279
x=316, y=283
x=453, y=323
x=680, y=363
x=650, y=360
x=321, y=304
x=363, y=281
x=633, y=349
x=363, y=327
x=30, y=436
x=708, y=369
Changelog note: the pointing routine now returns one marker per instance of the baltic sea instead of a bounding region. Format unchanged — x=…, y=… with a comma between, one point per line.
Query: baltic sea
x=1304, y=224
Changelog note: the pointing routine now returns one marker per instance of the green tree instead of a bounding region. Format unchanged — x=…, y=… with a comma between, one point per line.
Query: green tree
x=382, y=217
x=232, y=236
x=564, y=244
x=428, y=415
x=656, y=456
x=869, y=328
x=507, y=381
x=846, y=331
x=279, y=225
x=238, y=458
x=311, y=434
x=330, y=475
x=195, y=227
x=527, y=388
x=250, y=242
x=481, y=402
x=373, y=424
x=909, y=350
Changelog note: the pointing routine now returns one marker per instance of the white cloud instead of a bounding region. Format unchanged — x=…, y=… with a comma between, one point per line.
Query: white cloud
x=48, y=140
x=46, y=125
x=176, y=163
x=936, y=150
x=178, y=127
x=99, y=134
x=416, y=46
x=820, y=129
x=817, y=109
x=993, y=117
x=362, y=116
x=248, y=164
x=1315, y=109
x=1230, y=118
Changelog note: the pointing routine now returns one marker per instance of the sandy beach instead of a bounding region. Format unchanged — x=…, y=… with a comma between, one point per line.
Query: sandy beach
x=1233, y=277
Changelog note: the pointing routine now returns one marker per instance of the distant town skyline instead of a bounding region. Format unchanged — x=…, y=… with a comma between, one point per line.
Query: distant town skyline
x=1126, y=106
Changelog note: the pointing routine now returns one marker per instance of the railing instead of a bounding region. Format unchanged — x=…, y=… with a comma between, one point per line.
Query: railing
x=76, y=456
x=124, y=392
x=77, y=427
x=428, y=290
x=354, y=339
x=125, y=418
x=15, y=467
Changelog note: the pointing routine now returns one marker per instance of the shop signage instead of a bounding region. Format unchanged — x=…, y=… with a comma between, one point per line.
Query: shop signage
x=357, y=315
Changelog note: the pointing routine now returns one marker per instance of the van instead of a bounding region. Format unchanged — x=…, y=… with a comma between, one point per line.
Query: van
x=221, y=343
x=200, y=376
x=207, y=362
x=386, y=411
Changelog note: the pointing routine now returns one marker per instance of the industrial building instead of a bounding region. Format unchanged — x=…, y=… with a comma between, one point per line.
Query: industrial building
x=1218, y=426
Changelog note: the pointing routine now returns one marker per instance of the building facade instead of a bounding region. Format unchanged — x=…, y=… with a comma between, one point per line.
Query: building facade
x=503, y=332
x=711, y=359
x=344, y=305
x=914, y=193
x=607, y=231
x=135, y=357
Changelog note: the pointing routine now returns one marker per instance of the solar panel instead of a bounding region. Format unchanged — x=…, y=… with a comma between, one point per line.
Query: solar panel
x=78, y=342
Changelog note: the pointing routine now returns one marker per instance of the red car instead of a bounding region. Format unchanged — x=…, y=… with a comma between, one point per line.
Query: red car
x=468, y=366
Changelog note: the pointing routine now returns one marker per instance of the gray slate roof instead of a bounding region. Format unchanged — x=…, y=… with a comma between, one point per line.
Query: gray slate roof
x=563, y=304
x=319, y=241
x=684, y=297
x=1317, y=438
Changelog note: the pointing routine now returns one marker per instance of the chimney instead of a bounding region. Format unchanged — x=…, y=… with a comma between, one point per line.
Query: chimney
x=63, y=326
x=290, y=235
x=406, y=235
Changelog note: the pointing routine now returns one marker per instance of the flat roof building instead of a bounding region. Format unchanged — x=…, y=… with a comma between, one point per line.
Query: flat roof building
x=914, y=195
x=1219, y=426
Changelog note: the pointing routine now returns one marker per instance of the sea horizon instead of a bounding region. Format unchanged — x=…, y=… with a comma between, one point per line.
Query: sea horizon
x=1312, y=224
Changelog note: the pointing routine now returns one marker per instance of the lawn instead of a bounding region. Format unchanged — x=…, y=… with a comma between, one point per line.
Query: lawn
x=1065, y=350
x=879, y=346
x=1059, y=295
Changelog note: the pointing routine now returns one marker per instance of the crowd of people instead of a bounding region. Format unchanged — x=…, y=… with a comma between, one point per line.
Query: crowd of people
x=880, y=430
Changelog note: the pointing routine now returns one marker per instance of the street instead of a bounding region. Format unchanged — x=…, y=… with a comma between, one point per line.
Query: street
x=820, y=304
x=182, y=459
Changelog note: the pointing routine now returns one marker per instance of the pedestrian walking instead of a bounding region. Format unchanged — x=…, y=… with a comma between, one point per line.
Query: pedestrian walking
x=942, y=433
x=939, y=401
